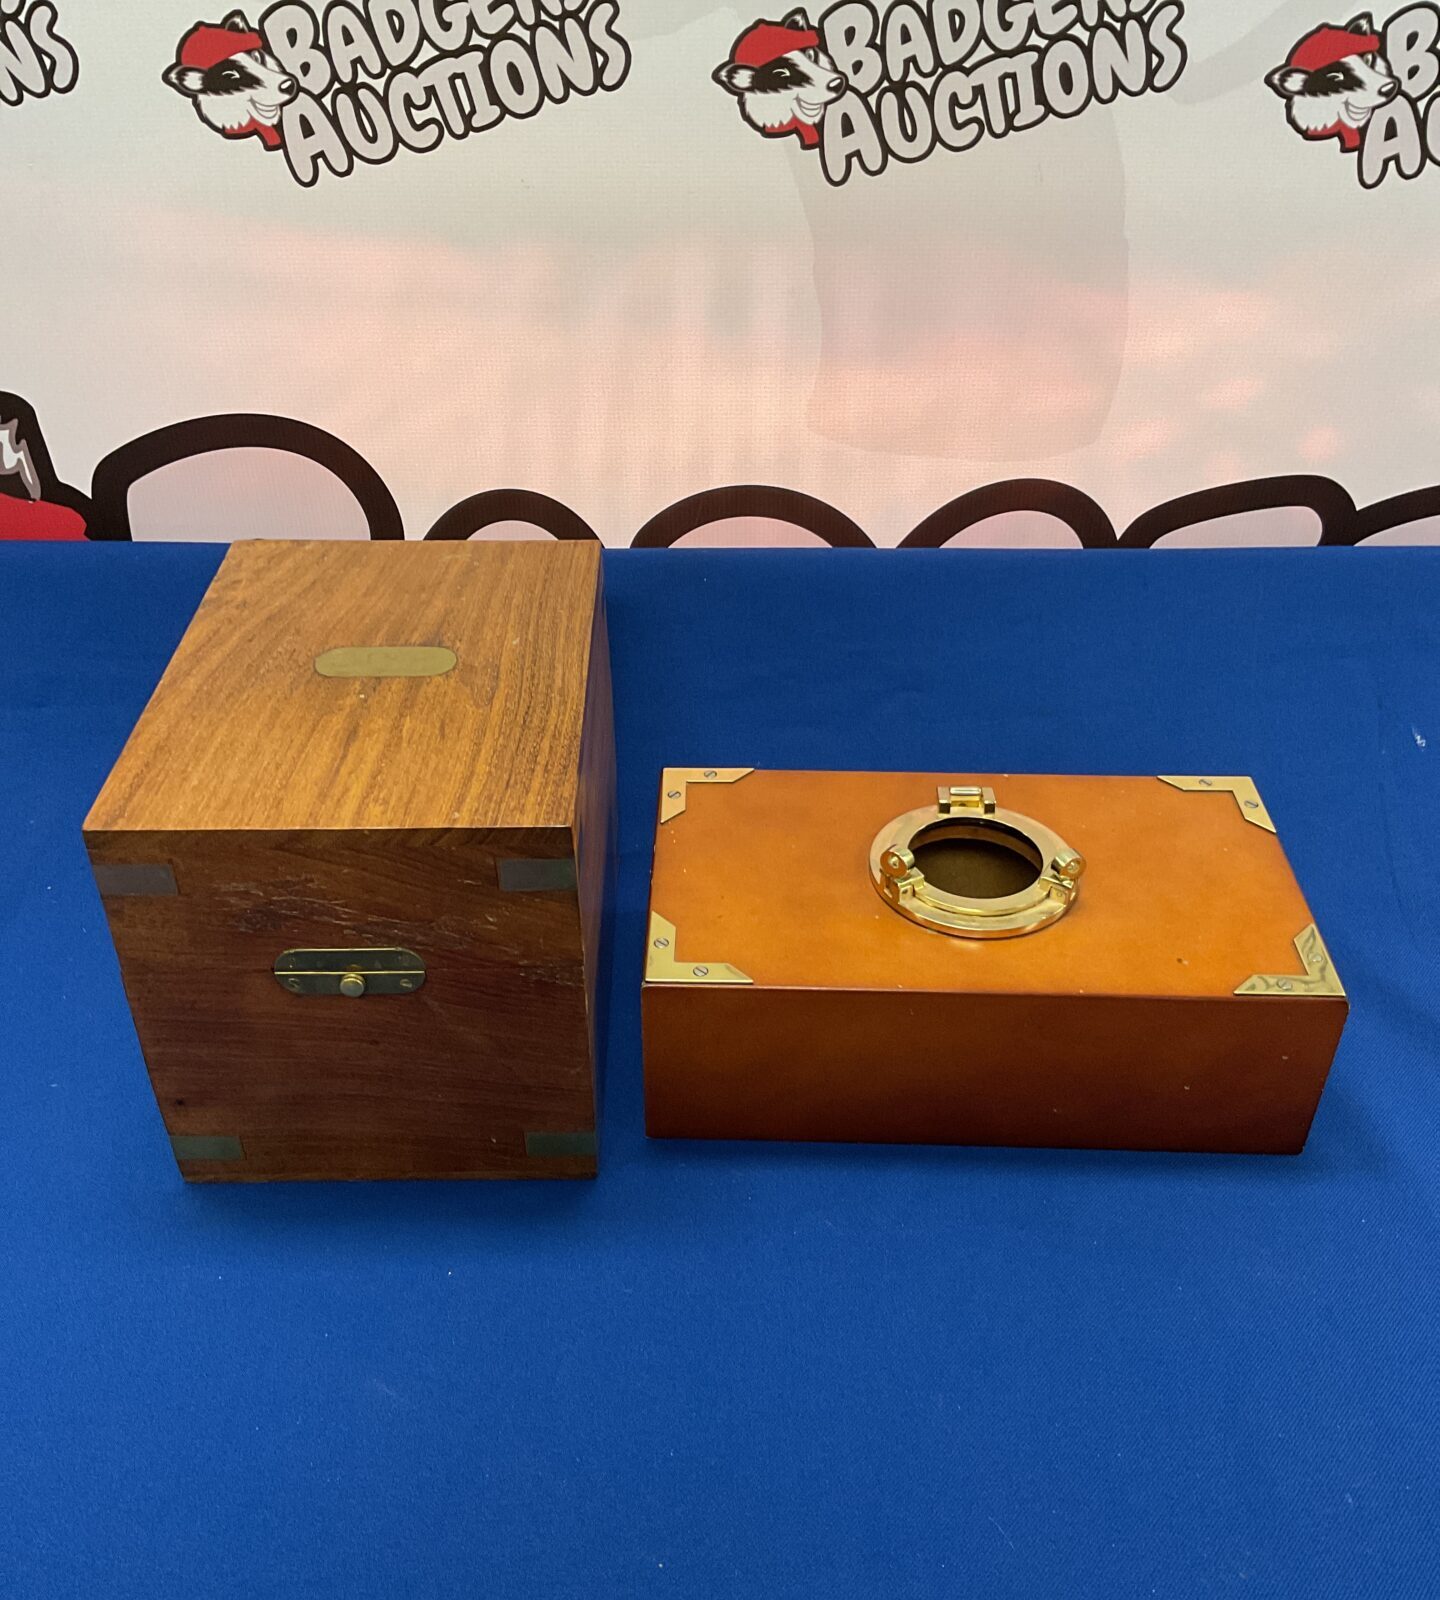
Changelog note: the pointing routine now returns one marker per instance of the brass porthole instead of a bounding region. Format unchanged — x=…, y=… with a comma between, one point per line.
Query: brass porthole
x=967, y=868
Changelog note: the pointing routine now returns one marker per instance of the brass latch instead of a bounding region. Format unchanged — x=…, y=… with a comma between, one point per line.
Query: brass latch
x=953, y=798
x=350, y=974
x=968, y=868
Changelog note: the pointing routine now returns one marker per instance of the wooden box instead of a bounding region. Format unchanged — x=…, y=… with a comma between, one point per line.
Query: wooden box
x=354, y=860
x=1121, y=963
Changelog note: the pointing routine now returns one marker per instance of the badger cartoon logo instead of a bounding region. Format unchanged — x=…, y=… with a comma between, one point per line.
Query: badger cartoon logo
x=782, y=79
x=1334, y=81
x=236, y=86
x=34, y=504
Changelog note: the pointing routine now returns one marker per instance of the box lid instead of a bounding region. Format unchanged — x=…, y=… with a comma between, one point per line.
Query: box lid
x=765, y=877
x=246, y=731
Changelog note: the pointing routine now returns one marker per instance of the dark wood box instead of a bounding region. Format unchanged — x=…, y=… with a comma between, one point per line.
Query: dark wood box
x=1180, y=998
x=354, y=859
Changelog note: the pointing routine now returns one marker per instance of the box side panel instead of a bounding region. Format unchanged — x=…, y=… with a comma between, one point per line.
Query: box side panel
x=484, y=1071
x=595, y=829
x=1242, y=1075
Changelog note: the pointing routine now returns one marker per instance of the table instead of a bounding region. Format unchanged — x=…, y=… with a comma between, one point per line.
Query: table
x=730, y=1370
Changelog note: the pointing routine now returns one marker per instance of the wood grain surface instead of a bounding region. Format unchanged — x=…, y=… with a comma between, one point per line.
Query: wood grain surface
x=283, y=807
x=1116, y=1027
x=242, y=732
x=1180, y=895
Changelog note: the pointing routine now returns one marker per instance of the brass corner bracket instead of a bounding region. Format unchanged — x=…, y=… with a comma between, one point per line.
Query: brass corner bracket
x=675, y=781
x=1247, y=796
x=662, y=966
x=1319, y=979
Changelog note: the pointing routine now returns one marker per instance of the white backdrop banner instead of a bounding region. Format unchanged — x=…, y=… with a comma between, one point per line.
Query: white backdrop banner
x=1035, y=272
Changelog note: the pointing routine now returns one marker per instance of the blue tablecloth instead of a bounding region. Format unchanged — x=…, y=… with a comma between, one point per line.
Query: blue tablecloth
x=732, y=1370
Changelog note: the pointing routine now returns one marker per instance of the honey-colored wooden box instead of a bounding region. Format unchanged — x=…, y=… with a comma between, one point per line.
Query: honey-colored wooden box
x=1173, y=994
x=354, y=860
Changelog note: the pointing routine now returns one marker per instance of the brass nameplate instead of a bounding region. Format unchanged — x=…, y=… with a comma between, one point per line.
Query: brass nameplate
x=124, y=882
x=350, y=974
x=387, y=661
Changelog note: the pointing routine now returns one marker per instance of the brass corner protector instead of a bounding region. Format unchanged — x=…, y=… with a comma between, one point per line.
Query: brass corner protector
x=674, y=781
x=561, y=1146
x=135, y=880
x=1319, y=978
x=1247, y=796
x=550, y=875
x=661, y=965
x=206, y=1147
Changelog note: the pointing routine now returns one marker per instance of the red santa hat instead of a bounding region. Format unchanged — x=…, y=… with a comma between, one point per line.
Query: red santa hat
x=1326, y=46
x=768, y=41
x=206, y=46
